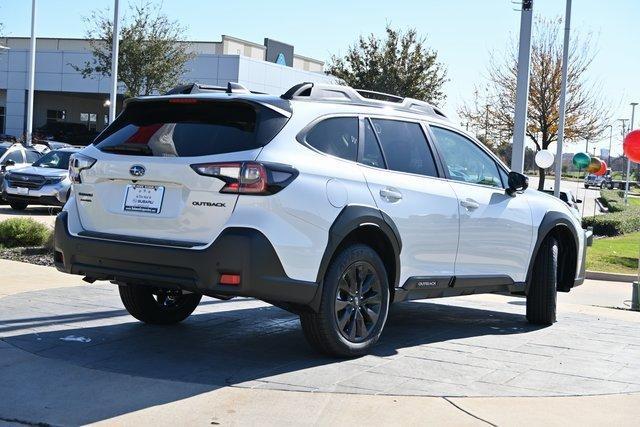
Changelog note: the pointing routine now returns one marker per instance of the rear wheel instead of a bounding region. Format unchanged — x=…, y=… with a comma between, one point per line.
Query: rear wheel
x=542, y=296
x=158, y=306
x=354, y=305
x=18, y=206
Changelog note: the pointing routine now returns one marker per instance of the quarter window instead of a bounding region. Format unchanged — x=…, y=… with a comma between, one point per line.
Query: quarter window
x=337, y=136
x=405, y=147
x=464, y=160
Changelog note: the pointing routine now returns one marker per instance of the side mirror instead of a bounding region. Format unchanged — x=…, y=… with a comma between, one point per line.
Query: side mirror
x=517, y=183
x=9, y=162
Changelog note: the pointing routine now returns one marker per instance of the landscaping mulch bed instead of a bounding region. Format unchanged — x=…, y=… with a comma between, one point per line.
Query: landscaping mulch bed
x=39, y=256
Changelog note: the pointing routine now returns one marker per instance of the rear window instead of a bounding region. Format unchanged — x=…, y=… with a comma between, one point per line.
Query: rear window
x=186, y=127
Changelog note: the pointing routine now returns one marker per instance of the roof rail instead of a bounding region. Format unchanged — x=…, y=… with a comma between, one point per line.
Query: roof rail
x=231, y=87
x=346, y=94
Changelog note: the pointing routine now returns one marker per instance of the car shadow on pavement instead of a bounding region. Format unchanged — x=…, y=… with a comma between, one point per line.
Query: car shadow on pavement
x=224, y=343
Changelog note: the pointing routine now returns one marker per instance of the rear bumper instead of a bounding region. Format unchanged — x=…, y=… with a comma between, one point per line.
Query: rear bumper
x=237, y=250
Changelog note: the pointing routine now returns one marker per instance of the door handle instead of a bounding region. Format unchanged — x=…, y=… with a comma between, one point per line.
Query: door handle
x=390, y=195
x=469, y=204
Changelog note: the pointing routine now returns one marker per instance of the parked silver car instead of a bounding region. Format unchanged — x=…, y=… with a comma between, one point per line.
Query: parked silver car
x=45, y=182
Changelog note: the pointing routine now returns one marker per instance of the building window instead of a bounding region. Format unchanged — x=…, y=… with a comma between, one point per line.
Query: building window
x=1, y=119
x=90, y=120
x=56, y=116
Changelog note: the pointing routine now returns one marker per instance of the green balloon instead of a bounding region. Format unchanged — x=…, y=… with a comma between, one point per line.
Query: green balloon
x=581, y=160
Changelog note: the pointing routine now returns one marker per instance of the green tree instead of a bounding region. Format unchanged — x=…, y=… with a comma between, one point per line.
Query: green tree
x=491, y=113
x=399, y=64
x=152, y=57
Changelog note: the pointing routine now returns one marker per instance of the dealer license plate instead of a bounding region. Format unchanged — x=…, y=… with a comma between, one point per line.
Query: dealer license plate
x=143, y=198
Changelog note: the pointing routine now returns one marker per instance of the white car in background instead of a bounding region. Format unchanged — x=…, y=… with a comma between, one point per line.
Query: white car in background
x=327, y=201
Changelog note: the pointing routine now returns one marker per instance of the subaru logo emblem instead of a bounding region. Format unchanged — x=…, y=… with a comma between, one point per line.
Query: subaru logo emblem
x=137, y=170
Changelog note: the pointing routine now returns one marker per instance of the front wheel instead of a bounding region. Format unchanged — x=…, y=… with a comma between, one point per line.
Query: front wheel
x=354, y=305
x=158, y=306
x=586, y=186
x=542, y=295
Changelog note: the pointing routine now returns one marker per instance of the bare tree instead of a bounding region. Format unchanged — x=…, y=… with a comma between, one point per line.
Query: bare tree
x=400, y=64
x=492, y=113
x=152, y=57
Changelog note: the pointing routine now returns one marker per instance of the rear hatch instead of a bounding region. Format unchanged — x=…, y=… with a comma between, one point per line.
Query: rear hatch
x=143, y=184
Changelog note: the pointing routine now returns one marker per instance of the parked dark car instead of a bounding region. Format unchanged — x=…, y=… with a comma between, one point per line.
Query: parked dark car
x=71, y=133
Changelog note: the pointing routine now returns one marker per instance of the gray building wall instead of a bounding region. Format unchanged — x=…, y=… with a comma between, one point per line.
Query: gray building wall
x=55, y=74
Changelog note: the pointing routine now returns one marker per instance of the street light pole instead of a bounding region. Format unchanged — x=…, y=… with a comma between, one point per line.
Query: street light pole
x=32, y=74
x=563, y=97
x=522, y=87
x=114, y=64
x=626, y=188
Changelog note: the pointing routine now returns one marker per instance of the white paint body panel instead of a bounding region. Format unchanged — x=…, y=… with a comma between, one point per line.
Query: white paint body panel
x=496, y=237
x=439, y=237
x=426, y=217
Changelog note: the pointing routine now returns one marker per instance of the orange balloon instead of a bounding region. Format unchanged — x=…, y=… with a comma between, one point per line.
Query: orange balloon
x=631, y=146
x=603, y=168
x=594, y=165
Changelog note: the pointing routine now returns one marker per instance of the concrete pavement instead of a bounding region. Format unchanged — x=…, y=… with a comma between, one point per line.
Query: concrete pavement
x=588, y=196
x=132, y=374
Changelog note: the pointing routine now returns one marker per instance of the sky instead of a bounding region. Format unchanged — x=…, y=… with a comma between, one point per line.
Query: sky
x=463, y=32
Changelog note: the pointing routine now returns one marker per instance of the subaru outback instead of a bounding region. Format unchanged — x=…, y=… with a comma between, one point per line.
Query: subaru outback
x=327, y=201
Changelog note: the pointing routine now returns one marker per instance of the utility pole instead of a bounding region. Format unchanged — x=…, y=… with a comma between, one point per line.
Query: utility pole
x=32, y=75
x=522, y=88
x=626, y=188
x=563, y=97
x=114, y=64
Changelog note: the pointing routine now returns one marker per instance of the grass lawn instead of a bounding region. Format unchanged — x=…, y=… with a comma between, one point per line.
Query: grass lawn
x=615, y=254
x=634, y=201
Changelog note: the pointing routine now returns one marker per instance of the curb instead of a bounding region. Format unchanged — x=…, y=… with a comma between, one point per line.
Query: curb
x=611, y=277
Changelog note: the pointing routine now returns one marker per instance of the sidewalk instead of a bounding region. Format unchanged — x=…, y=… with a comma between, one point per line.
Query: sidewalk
x=57, y=390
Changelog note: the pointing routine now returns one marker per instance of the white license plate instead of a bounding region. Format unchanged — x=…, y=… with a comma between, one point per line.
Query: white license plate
x=23, y=191
x=143, y=198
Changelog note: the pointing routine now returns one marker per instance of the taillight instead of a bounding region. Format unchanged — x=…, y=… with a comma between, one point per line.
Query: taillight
x=77, y=163
x=255, y=178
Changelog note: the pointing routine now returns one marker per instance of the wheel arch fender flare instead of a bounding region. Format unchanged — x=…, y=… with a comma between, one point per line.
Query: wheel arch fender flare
x=349, y=220
x=551, y=222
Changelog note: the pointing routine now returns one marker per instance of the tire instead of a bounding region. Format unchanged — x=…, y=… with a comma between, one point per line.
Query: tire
x=18, y=206
x=348, y=324
x=542, y=295
x=586, y=186
x=158, y=306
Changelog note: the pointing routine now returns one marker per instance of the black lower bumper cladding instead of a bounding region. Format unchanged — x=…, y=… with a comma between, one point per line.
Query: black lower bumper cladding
x=237, y=250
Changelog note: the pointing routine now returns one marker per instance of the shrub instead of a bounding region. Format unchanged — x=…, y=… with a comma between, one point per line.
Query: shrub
x=615, y=223
x=21, y=232
x=613, y=199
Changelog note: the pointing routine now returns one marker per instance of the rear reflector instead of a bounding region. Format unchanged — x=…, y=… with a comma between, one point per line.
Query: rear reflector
x=230, y=279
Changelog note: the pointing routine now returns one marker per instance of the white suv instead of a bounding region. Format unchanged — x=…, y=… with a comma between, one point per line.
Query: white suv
x=327, y=201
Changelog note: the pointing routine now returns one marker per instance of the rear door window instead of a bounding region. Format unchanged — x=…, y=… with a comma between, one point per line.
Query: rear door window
x=405, y=147
x=189, y=127
x=337, y=136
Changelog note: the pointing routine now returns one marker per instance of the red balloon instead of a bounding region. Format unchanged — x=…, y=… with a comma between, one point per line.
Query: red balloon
x=603, y=168
x=631, y=146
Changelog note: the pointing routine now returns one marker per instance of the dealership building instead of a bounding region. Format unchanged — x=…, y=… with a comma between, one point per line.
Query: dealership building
x=63, y=95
